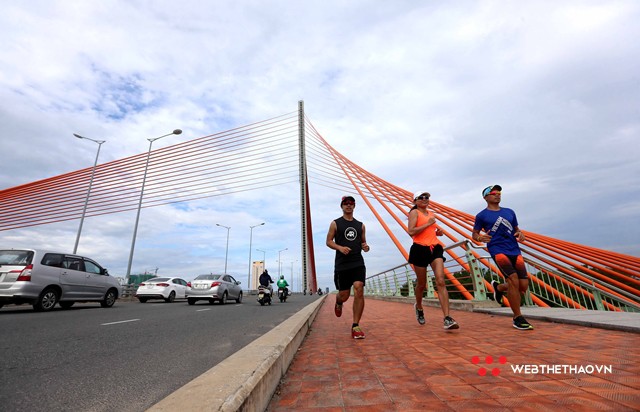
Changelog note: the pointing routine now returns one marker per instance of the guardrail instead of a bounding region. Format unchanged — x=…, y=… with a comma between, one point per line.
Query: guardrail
x=469, y=271
x=463, y=278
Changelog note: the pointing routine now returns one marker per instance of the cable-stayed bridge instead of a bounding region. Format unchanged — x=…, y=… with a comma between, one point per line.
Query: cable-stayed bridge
x=288, y=149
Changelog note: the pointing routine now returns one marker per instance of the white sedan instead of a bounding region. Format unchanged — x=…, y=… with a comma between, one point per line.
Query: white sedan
x=168, y=289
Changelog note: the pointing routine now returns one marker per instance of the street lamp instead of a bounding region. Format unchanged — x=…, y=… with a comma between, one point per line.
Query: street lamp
x=279, y=262
x=144, y=180
x=250, y=241
x=227, y=252
x=264, y=259
x=86, y=200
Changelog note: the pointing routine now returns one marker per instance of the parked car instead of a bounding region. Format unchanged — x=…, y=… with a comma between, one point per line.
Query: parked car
x=162, y=288
x=44, y=279
x=214, y=288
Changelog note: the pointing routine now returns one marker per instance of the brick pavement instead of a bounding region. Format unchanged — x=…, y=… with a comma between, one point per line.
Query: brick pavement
x=402, y=366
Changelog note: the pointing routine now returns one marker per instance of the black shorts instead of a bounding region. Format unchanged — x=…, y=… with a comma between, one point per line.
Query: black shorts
x=344, y=279
x=422, y=256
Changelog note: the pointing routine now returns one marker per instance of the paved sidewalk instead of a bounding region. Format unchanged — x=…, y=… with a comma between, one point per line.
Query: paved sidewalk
x=402, y=366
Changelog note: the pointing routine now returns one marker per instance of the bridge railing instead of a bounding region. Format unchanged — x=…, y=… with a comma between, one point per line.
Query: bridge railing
x=560, y=290
x=463, y=277
x=469, y=272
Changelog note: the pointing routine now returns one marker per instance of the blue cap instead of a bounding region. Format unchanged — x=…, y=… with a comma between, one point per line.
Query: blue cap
x=488, y=189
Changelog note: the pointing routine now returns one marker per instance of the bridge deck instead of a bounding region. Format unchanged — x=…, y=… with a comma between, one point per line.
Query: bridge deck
x=403, y=366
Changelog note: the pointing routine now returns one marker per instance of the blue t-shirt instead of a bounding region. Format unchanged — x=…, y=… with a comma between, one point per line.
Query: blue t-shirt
x=500, y=225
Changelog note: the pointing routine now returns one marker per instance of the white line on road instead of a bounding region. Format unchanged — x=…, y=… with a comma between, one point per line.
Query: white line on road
x=122, y=321
x=202, y=310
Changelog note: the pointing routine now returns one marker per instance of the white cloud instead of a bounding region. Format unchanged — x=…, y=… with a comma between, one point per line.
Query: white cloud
x=450, y=97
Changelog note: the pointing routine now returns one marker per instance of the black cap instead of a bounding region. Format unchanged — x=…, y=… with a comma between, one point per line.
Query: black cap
x=345, y=198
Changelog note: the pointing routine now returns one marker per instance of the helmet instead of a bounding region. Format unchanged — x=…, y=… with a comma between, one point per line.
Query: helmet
x=281, y=276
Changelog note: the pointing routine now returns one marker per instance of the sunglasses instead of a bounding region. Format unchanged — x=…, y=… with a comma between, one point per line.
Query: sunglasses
x=422, y=198
x=494, y=193
x=348, y=204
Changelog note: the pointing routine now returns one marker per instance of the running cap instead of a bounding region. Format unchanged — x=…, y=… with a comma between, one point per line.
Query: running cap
x=346, y=198
x=488, y=189
x=415, y=196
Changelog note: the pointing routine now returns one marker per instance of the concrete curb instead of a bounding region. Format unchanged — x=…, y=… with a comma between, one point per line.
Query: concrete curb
x=619, y=321
x=247, y=380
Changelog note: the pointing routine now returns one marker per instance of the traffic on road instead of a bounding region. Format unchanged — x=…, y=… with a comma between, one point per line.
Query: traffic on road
x=126, y=358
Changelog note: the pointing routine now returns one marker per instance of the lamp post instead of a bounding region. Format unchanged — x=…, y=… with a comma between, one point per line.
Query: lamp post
x=144, y=180
x=279, y=262
x=227, y=252
x=250, y=241
x=264, y=259
x=86, y=200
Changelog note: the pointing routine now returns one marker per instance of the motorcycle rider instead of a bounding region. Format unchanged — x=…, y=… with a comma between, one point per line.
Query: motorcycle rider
x=282, y=283
x=266, y=281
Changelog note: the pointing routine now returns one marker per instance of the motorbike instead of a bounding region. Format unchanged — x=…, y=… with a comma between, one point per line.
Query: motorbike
x=264, y=295
x=282, y=294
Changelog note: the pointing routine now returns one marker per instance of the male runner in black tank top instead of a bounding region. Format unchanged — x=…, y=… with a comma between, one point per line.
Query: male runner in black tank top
x=347, y=237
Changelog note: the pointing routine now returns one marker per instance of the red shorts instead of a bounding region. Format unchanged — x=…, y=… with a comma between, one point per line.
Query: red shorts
x=509, y=265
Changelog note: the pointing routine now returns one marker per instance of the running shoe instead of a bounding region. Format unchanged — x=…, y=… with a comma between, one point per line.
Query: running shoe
x=521, y=323
x=338, y=310
x=497, y=295
x=449, y=323
x=357, y=333
x=419, y=315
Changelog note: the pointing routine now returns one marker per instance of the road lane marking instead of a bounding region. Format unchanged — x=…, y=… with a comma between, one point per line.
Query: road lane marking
x=122, y=321
x=202, y=310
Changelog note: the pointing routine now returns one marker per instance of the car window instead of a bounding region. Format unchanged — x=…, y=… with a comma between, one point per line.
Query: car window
x=73, y=263
x=92, y=267
x=184, y=282
x=176, y=281
x=207, y=277
x=231, y=279
x=157, y=280
x=16, y=257
x=52, y=259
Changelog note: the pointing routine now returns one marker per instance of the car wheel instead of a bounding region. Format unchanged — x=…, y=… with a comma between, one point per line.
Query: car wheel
x=142, y=300
x=191, y=301
x=239, y=300
x=109, y=298
x=66, y=305
x=223, y=299
x=46, y=301
x=171, y=298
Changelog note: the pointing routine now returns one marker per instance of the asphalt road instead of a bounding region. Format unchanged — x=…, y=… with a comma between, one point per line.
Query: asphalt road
x=124, y=358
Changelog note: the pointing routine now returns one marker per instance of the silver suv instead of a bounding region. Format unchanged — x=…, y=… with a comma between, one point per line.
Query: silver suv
x=44, y=278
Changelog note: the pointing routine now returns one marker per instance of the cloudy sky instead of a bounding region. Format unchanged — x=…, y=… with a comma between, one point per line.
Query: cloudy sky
x=541, y=97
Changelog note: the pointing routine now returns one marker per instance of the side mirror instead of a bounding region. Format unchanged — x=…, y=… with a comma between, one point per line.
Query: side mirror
x=238, y=282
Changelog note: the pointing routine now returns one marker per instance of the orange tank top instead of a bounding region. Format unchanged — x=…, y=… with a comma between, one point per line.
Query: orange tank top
x=428, y=236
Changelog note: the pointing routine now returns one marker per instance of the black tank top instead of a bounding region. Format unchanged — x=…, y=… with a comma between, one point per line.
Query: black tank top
x=349, y=233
